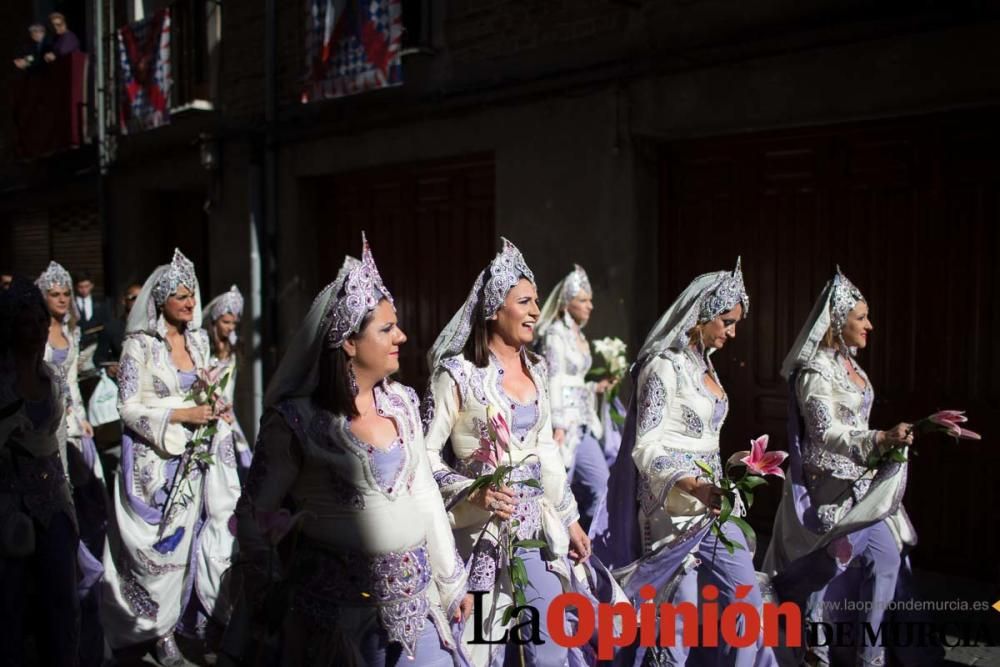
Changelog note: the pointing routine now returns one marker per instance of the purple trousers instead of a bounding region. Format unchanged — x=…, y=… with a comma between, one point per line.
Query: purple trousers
x=725, y=571
x=429, y=651
x=545, y=585
x=871, y=579
x=588, y=477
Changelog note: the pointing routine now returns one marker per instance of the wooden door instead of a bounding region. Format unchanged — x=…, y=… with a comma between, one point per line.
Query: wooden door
x=909, y=209
x=431, y=229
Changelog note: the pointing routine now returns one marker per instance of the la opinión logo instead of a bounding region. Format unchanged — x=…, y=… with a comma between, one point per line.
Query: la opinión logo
x=621, y=624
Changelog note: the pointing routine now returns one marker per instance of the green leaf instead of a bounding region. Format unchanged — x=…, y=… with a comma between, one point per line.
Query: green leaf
x=727, y=508
x=508, y=613
x=751, y=482
x=748, y=498
x=745, y=527
x=617, y=417
x=728, y=543
x=520, y=599
x=898, y=455
x=532, y=482
x=224, y=382
x=705, y=468
x=531, y=544
x=519, y=574
x=480, y=482
x=596, y=374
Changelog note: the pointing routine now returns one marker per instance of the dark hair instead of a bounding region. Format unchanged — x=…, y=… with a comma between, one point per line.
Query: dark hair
x=20, y=297
x=477, y=347
x=334, y=392
x=81, y=276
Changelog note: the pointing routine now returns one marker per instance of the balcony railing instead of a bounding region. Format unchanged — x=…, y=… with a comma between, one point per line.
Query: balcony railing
x=50, y=107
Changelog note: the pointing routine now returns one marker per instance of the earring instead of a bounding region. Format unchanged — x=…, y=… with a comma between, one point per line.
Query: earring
x=352, y=379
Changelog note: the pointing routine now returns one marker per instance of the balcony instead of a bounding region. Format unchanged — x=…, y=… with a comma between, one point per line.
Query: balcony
x=50, y=107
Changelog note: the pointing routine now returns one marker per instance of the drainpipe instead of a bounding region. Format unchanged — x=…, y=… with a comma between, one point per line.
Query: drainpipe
x=268, y=240
x=108, y=235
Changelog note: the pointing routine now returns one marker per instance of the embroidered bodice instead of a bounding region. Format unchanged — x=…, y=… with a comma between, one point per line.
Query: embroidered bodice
x=678, y=421
x=371, y=514
x=835, y=411
x=65, y=361
x=455, y=411
x=149, y=388
x=572, y=397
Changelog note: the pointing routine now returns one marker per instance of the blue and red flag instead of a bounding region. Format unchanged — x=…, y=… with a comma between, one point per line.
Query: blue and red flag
x=352, y=46
x=144, y=59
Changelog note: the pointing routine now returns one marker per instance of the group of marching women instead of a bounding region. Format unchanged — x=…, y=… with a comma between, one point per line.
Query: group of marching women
x=134, y=562
x=371, y=523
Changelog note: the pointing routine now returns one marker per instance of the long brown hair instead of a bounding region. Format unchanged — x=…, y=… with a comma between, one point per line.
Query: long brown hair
x=477, y=348
x=334, y=393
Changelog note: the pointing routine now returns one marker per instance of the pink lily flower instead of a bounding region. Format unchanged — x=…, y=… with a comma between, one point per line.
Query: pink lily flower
x=499, y=429
x=763, y=462
x=487, y=453
x=950, y=420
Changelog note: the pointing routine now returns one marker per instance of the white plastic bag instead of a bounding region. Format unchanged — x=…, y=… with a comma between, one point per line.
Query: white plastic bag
x=103, y=405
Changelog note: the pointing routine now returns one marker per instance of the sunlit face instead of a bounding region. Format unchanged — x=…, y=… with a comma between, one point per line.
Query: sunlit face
x=225, y=325
x=84, y=288
x=717, y=331
x=57, y=300
x=580, y=307
x=375, y=350
x=857, y=326
x=515, y=321
x=178, y=309
x=128, y=299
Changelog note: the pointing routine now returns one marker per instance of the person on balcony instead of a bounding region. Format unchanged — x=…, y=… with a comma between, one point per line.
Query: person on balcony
x=65, y=42
x=33, y=55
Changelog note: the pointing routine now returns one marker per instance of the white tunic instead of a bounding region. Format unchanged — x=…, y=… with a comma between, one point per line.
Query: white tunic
x=376, y=542
x=574, y=404
x=835, y=449
x=677, y=425
x=159, y=555
x=455, y=416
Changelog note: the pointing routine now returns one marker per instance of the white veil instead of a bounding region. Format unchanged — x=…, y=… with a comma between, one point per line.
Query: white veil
x=839, y=294
x=298, y=372
x=452, y=338
x=671, y=330
x=708, y=296
x=145, y=315
x=567, y=288
x=488, y=291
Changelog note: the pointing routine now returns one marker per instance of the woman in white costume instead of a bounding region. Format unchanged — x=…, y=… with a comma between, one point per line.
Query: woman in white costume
x=83, y=465
x=577, y=428
x=372, y=578
x=222, y=318
x=656, y=523
x=841, y=532
x=481, y=360
x=167, y=561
